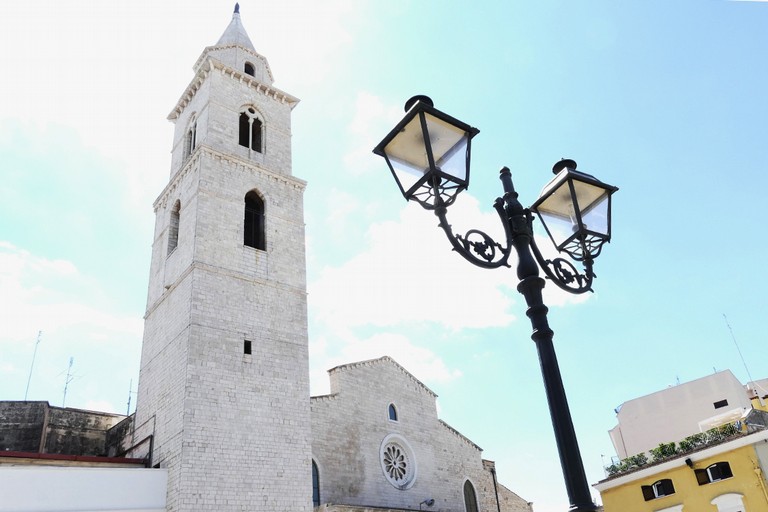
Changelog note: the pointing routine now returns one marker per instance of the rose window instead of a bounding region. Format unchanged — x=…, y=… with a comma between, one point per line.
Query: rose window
x=397, y=462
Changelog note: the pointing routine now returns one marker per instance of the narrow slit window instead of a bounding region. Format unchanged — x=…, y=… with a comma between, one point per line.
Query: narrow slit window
x=249, y=69
x=247, y=347
x=173, y=228
x=315, y=485
x=254, y=222
x=190, y=141
x=392, y=412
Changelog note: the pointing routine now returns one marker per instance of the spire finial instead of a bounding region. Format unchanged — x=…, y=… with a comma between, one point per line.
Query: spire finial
x=237, y=8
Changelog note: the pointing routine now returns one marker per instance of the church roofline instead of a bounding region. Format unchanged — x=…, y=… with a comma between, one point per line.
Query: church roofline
x=459, y=434
x=371, y=362
x=213, y=64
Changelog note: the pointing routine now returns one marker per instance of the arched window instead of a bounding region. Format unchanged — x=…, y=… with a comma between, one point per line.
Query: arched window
x=392, y=412
x=731, y=502
x=315, y=485
x=658, y=489
x=715, y=472
x=254, y=221
x=250, y=130
x=248, y=68
x=470, y=498
x=173, y=228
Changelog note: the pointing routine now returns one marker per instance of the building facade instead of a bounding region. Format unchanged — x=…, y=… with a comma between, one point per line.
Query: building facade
x=377, y=441
x=700, y=446
x=677, y=411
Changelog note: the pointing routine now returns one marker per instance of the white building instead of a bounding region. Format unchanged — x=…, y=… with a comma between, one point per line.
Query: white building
x=679, y=411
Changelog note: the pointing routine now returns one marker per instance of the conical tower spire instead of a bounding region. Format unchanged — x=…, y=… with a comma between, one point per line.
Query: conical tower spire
x=235, y=33
x=235, y=50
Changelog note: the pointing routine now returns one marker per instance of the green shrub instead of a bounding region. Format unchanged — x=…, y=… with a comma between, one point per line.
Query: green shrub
x=663, y=451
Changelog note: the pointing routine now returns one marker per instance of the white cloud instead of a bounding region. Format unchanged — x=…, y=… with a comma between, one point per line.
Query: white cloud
x=408, y=273
x=42, y=294
x=371, y=120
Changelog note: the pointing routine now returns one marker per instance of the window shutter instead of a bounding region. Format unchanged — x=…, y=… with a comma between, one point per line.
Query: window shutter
x=725, y=470
x=667, y=487
x=701, y=476
x=648, y=492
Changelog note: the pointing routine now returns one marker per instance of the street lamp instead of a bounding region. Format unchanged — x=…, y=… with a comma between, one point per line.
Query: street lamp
x=428, y=153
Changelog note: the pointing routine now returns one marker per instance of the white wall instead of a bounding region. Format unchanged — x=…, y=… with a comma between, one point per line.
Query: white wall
x=54, y=489
x=674, y=413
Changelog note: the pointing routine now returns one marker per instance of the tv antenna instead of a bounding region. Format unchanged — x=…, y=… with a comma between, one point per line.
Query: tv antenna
x=131, y=392
x=738, y=349
x=69, y=379
x=34, y=354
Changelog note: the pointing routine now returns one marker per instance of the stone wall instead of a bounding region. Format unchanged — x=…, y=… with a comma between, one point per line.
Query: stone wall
x=38, y=427
x=21, y=425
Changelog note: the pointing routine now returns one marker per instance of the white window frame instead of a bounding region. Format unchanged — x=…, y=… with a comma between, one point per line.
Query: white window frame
x=731, y=502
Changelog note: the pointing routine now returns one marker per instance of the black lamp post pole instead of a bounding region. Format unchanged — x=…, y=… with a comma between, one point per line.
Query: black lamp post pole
x=530, y=286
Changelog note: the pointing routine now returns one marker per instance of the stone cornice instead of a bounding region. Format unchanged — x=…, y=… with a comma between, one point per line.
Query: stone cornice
x=324, y=398
x=209, y=49
x=191, y=163
x=213, y=64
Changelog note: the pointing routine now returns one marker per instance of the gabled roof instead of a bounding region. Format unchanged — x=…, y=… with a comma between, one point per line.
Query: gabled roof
x=381, y=360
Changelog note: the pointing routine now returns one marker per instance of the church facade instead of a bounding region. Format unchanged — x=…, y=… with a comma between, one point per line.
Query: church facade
x=377, y=441
x=224, y=417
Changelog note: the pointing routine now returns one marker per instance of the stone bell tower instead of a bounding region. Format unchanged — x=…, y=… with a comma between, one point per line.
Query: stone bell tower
x=224, y=382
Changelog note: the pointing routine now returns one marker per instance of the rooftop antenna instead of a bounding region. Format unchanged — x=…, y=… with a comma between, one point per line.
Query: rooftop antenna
x=130, y=394
x=737, y=348
x=69, y=379
x=34, y=354
x=743, y=361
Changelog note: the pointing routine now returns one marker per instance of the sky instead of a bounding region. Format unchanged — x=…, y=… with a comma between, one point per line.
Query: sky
x=665, y=99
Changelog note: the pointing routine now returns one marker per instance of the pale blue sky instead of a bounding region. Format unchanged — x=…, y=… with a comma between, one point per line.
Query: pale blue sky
x=665, y=99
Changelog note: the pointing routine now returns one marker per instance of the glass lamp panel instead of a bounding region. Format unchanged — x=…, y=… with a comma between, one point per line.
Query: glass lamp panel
x=587, y=194
x=561, y=228
x=449, y=147
x=595, y=219
x=559, y=203
x=407, y=155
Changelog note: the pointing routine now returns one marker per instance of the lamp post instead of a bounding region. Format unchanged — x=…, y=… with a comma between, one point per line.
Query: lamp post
x=428, y=153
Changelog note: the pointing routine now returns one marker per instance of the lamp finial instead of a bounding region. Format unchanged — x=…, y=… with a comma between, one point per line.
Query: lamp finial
x=418, y=98
x=564, y=163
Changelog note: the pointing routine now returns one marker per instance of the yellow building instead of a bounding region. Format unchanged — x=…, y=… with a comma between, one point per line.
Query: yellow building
x=728, y=476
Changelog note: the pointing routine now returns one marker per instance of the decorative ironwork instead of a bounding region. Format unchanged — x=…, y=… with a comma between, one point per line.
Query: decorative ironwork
x=432, y=196
x=480, y=249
